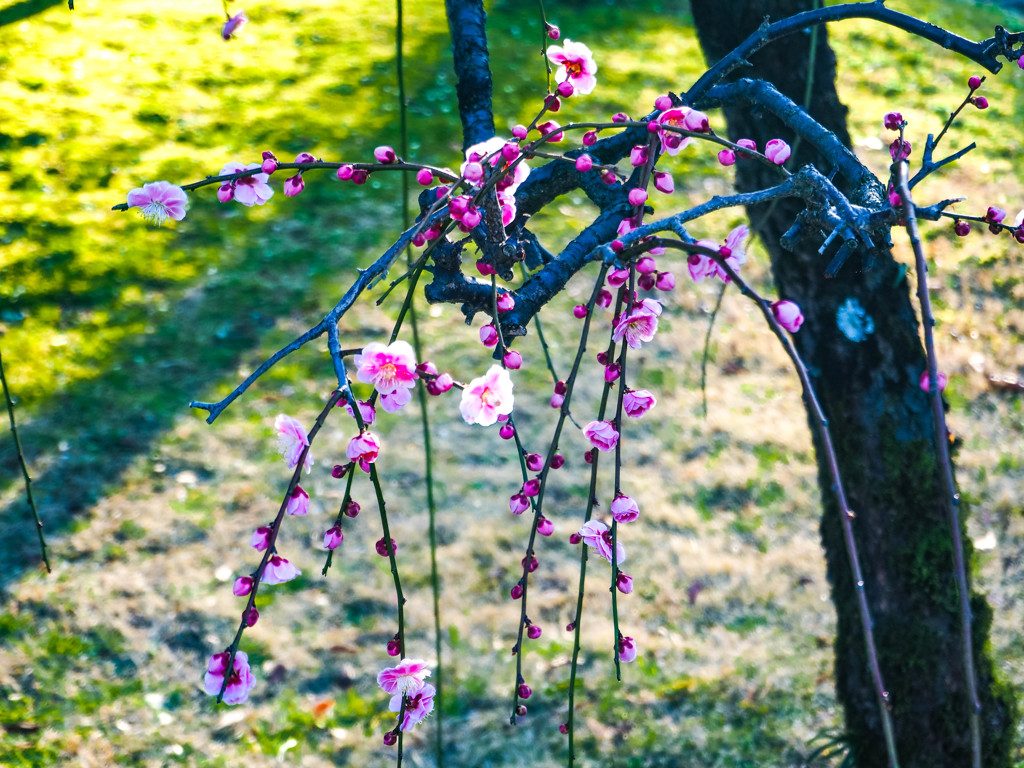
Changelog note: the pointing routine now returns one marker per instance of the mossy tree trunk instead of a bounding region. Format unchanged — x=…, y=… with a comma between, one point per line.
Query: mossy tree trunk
x=861, y=343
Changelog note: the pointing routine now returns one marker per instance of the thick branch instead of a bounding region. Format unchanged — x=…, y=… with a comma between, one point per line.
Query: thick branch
x=467, y=24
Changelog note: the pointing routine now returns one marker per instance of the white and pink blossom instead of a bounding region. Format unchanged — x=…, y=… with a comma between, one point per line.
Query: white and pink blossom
x=597, y=535
x=292, y=441
x=417, y=706
x=778, y=151
x=159, y=201
x=486, y=398
x=637, y=402
x=404, y=679
x=391, y=369
x=278, y=571
x=788, y=314
x=249, y=190
x=624, y=509
x=575, y=64
x=239, y=682
x=363, y=449
x=602, y=435
x=639, y=324
x=672, y=142
x=627, y=649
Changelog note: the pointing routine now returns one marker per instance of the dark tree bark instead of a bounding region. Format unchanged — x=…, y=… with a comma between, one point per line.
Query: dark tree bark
x=467, y=24
x=867, y=380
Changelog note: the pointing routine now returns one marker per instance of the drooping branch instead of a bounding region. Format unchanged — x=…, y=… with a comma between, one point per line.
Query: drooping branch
x=985, y=52
x=467, y=24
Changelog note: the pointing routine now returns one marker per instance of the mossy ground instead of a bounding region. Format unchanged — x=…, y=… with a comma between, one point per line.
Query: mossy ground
x=110, y=327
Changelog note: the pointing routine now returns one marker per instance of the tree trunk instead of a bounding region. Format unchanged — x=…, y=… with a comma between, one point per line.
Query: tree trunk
x=861, y=344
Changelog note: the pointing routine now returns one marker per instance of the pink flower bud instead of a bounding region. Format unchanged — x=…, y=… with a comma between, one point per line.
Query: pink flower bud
x=646, y=282
x=602, y=358
x=352, y=508
x=226, y=192
x=531, y=487
x=339, y=471
x=424, y=176
x=533, y=632
x=333, y=538
x=604, y=298
x=980, y=102
x=696, y=121
x=551, y=128
x=579, y=311
x=506, y=303
x=506, y=432
x=444, y=382
x=639, y=155
x=899, y=149
x=359, y=176
x=345, y=172
x=892, y=121
x=560, y=388
x=489, y=335
x=994, y=214
x=962, y=228
x=484, y=268
x=565, y=89
x=473, y=172
x=777, y=151
x=663, y=182
x=974, y=83
x=534, y=564
x=519, y=131
x=552, y=31
x=260, y=538
x=393, y=647
x=524, y=691
x=534, y=462
x=925, y=382
x=666, y=281
x=251, y=616
x=557, y=461
x=637, y=196
x=557, y=400
x=589, y=138
x=624, y=583
x=545, y=527
x=1018, y=234
x=788, y=314
x=637, y=402
x=746, y=144
x=516, y=592
x=298, y=503
x=269, y=163
x=608, y=176
x=620, y=117
x=521, y=709
x=727, y=157
x=563, y=727
x=242, y=586
x=617, y=277
x=304, y=157
x=584, y=163
x=612, y=372
x=384, y=154
x=390, y=738
x=663, y=102
x=382, y=547
x=575, y=538
x=294, y=185
x=646, y=265
x=518, y=503
x=513, y=360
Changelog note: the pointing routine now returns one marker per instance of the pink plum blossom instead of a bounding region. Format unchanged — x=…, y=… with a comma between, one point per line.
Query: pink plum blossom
x=601, y=434
x=487, y=397
x=363, y=448
x=727, y=157
x=249, y=190
x=663, y=182
x=627, y=649
x=778, y=151
x=260, y=538
x=666, y=281
x=639, y=324
x=292, y=441
x=425, y=177
x=233, y=24
x=506, y=302
x=597, y=535
x=239, y=682
x=298, y=502
x=405, y=679
x=384, y=154
x=269, y=164
x=637, y=196
x=293, y=185
x=637, y=402
x=333, y=537
x=899, y=149
x=788, y=314
x=892, y=120
x=417, y=706
x=513, y=360
x=278, y=571
x=366, y=411
x=518, y=503
x=488, y=335
x=671, y=142
x=624, y=509
x=624, y=583
x=159, y=201
x=575, y=64
x=391, y=369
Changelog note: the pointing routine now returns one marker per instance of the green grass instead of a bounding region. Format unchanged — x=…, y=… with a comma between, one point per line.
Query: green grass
x=109, y=327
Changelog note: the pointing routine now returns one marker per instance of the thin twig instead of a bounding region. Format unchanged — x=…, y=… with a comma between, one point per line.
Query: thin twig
x=24, y=467
x=952, y=497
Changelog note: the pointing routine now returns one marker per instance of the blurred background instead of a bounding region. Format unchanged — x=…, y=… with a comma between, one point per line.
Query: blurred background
x=109, y=327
